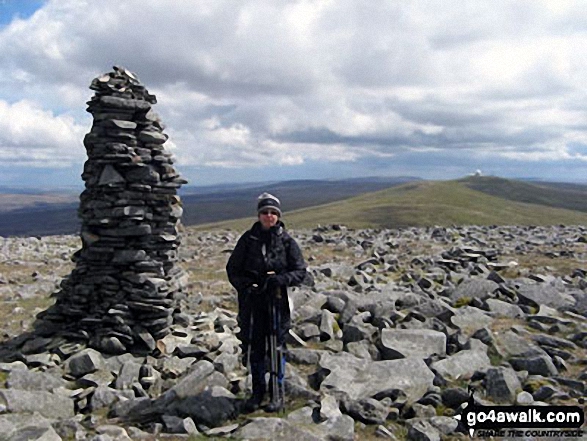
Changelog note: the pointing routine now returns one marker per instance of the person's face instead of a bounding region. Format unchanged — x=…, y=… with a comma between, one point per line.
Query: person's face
x=268, y=218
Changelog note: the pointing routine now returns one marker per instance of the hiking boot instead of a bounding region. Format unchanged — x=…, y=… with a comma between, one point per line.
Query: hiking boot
x=275, y=406
x=253, y=403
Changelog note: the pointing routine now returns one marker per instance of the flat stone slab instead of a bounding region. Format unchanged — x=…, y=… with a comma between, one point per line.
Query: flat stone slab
x=404, y=343
x=357, y=378
x=27, y=427
x=27, y=380
x=470, y=319
x=462, y=365
x=474, y=289
x=504, y=309
x=274, y=428
x=543, y=294
x=48, y=404
x=510, y=344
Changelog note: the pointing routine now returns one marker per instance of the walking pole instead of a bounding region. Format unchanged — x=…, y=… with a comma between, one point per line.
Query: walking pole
x=250, y=340
x=274, y=351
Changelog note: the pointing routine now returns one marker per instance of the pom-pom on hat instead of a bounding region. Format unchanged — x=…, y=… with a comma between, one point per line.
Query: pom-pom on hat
x=267, y=201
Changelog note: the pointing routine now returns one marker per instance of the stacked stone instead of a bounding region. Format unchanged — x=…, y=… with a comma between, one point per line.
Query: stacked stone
x=122, y=293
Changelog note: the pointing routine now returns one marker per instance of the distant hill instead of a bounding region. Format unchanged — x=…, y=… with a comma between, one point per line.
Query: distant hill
x=429, y=203
x=559, y=195
x=44, y=215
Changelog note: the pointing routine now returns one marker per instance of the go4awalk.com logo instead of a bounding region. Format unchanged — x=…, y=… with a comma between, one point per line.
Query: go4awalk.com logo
x=522, y=421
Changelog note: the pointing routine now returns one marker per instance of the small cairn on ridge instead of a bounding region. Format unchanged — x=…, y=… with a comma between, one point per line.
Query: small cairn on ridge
x=122, y=293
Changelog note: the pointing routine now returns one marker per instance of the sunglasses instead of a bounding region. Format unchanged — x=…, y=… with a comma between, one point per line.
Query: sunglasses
x=267, y=212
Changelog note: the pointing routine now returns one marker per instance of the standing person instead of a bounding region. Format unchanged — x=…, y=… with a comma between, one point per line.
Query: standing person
x=266, y=259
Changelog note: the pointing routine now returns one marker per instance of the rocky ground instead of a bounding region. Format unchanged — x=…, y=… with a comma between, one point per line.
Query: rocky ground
x=398, y=328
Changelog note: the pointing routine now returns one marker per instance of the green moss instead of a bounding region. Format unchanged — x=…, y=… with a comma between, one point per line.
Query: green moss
x=535, y=384
x=335, y=327
x=494, y=357
x=463, y=301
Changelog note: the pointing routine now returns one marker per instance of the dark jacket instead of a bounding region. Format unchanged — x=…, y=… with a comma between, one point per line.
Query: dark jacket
x=256, y=253
x=249, y=263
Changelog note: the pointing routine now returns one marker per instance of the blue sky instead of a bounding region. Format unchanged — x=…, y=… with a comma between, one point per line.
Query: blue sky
x=17, y=9
x=263, y=90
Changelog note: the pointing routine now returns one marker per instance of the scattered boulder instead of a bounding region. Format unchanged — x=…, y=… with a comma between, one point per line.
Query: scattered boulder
x=355, y=378
x=462, y=365
x=502, y=385
x=404, y=343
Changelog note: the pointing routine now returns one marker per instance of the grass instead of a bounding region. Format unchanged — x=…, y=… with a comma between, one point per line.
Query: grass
x=427, y=203
x=560, y=196
x=557, y=266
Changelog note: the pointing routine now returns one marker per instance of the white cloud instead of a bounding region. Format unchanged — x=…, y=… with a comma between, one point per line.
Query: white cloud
x=259, y=82
x=31, y=135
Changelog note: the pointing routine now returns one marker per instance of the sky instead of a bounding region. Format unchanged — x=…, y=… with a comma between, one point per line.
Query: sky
x=259, y=90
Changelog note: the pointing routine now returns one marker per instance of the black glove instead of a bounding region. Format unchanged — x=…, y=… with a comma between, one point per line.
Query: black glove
x=273, y=282
x=252, y=290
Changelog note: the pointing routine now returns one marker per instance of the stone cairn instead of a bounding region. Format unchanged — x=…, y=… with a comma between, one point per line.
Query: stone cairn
x=121, y=296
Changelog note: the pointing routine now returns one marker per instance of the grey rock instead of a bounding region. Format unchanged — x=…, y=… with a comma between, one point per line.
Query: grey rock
x=304, y=356
x=129, y=374
x=504, y=309
x=133, y=408
x=502, y=385
x=470, y=319
x=308, y=331
x=212, y=407
x=327, y=325
x=552, y=341
x=355, y=331
x=274, y=428
x=48, y=404
x=174, y=367
x=384, y=432
x=103, y=397
x=423, y=430
x=115, y=432
x=537, y=365
x=175, y=424
x=354, y=378
x=367, y=410
x=31, y=381
x=36, y=433
x=403, y=343
x=509, y=344
x=223, y=431
x=226, y=362
x=462, y=365
x=334, y=304
x=95, y=379
x=425, y=411
x=69, y=429
x=328, y=423
x=475, y=288
x=36, y=345
x=9, y=367
x=152, y=137
x=193, y=382
x=542, y=294
x=110, y=176
x=360, y=349
x=85, y=362
x=524, y=398
x=445, y=425
x=544, y=393
x=453, y=397
x=24, y=426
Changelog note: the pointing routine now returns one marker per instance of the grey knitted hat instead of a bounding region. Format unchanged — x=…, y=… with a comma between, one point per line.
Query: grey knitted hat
x=268, y=201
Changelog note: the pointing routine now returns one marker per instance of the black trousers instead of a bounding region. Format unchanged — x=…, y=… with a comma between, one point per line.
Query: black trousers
x=254, y=323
